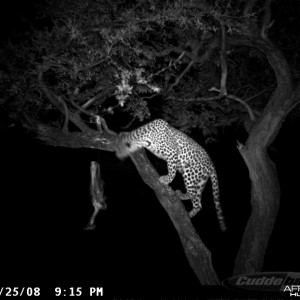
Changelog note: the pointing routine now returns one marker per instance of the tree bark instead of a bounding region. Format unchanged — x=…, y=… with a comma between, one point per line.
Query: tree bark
x=265, y=197
x=57, y=137
x=265, y=189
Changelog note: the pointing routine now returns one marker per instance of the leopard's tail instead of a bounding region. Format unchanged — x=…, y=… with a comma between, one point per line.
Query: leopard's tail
x=216, y=194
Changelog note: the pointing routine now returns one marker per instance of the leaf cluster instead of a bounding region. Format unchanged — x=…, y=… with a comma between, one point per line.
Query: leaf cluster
x=126, y=54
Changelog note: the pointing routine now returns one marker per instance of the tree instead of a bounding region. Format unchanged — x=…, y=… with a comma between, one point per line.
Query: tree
x=84, y=64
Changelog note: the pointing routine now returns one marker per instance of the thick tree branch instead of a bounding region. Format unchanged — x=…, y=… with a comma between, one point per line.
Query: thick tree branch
x=55, y=101
x=249, y=110
x=54, y=136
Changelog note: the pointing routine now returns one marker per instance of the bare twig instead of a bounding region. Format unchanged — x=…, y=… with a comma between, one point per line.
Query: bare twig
x=247, y=86
x=181, y=75
x=148, y=97
x=213, y=44
x=105, y=127
x=195, y=99
x=250, y=112
x=129, y=124
x=56, y=102
x=170, y=65
x=98, y=120
x=66, y=122
x=267, y=24
x=95, y=64
x=86, y=112
x=296, y=97
x=258, y=94
x=95, y=98
x=194, y=59
x=223, y=89
x=293, y=106
x=248, y=9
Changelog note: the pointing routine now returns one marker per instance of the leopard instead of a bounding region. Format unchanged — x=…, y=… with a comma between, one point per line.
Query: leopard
x=181, y=154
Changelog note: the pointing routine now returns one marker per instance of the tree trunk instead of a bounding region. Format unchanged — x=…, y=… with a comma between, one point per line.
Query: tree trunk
x=265, y=190
x=265, y=197
x=199, y=257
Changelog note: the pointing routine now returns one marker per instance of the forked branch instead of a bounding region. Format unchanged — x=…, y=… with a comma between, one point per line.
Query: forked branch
x=60, y=105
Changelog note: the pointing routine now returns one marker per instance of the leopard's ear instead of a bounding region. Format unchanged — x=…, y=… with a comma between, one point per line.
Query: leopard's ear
x=146, y=144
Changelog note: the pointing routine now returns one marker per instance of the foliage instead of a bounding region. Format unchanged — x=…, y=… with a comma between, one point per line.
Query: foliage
x=128, y=58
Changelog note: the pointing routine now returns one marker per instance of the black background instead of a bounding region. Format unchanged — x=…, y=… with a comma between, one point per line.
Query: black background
x=135, y=249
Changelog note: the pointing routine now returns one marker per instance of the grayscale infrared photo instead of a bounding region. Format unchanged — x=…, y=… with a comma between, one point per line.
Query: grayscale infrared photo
x=149, y=149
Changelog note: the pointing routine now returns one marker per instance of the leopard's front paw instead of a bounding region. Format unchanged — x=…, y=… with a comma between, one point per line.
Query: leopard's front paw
x=164, y=180
x=194, y=211
x=183, y=196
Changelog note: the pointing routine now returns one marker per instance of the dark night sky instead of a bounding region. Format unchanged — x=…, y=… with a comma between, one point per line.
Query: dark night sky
x=12, y=16
x=134, y=251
